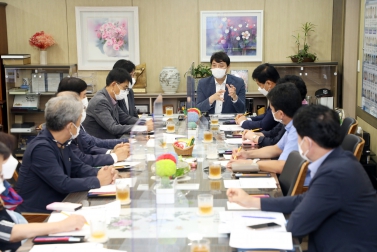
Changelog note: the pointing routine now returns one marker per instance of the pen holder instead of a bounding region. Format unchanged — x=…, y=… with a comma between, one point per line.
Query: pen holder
x=184, y=152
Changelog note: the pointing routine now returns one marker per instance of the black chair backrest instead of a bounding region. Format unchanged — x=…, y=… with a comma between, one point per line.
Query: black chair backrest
x=350, y=142
x=291, y=169
x=346, y=125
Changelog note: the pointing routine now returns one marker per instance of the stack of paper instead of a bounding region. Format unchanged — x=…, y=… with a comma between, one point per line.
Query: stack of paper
x=251, y=183
x=226, y=116
x=231, y=127
x=234, y=141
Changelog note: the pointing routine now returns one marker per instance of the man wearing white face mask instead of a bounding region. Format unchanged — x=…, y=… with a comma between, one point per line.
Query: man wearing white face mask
x=284, y=100
x=104, y=118
x=128, y=104
x=221, y=93
x=266, y=77
x=50, y=170
x=338, y=212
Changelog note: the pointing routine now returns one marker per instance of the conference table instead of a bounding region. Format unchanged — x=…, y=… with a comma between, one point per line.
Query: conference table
x=144, y=225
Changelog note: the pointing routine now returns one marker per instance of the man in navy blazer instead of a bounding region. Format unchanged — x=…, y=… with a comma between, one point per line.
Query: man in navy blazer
x=266, y=77
x=221, y=92
x=338, y=212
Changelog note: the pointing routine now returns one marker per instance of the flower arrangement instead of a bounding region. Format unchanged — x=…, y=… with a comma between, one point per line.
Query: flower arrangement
x=113, y=34
x=41, y=40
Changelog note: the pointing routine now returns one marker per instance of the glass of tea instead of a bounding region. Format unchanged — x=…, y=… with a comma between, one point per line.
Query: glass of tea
x=214, y=119
x=205, y=204
x=122, y=192
x=98, y=228
x=208, y=136
x=170, y=127
x=214, y=171
x=202, y=245
x=169, y=111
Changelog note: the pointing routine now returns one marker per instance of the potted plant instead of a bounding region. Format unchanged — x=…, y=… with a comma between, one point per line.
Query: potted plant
x=199, y=72
x=303, y=55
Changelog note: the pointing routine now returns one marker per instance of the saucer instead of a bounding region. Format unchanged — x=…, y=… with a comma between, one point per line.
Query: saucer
x=207, y=215
x=212, y=157
x=168, y=131
x=207, y=141
x=210, y=177
x=102, y=240
x=125, y=202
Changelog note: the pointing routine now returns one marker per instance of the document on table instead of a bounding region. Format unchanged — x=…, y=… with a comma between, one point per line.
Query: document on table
x=111, y=188
x=235, y=206
x=111, y=209
x=125, y=163
x=187, y=187
x=226, y=116
x=230, y=220
x=231, y=127
x=234, y=141
x=249, y=183
x=93, y=247
x=247, y=238
x=150, y=143
x=171, y=138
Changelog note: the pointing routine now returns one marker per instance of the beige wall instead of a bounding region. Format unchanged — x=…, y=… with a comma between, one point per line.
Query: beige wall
x=169, y=30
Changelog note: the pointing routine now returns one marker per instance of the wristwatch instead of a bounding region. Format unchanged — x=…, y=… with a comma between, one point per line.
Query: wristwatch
x=256, y=160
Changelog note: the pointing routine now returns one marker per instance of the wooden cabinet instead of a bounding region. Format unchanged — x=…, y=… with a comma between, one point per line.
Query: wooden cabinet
x=317, y=75
x=43, y=81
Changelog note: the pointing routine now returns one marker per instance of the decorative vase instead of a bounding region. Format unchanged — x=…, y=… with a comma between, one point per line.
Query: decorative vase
x=109, y=50
x=169, y=80
x=43, y=57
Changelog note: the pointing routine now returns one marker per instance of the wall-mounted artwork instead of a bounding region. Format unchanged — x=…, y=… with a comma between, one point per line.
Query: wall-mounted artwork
x=238, y=33
x=105, y=35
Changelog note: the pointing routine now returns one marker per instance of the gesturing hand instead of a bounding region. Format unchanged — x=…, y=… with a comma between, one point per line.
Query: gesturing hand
x=232, y=91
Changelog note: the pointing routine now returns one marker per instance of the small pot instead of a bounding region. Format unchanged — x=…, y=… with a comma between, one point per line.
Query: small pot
x=294, y=59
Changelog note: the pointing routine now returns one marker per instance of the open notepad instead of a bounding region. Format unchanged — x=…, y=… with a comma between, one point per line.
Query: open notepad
x=251, y=183
x=110, y=190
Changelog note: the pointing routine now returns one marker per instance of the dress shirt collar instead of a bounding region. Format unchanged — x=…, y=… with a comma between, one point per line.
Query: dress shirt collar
x=113, y=101
x=313, y=167
x=223, y=84
x=289, y=126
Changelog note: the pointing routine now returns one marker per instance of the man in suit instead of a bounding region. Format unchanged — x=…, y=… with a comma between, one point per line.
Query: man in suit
x=104, y=119
x=338, y=212
x=50, y=170
x=266, y=77
x=128, y=103
x=221, y=92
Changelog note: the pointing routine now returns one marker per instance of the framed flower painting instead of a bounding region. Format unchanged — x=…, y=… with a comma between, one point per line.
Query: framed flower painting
x=237, y=33
x=105, y=35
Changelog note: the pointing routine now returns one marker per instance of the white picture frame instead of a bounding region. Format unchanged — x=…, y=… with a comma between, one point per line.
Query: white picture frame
x=105, y=35
x=237, y=33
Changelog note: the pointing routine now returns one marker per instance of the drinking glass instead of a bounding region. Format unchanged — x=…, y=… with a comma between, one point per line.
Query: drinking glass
x=205, y=204
x=214, y=119
x=202, y=245
x=214, y=171
x=208, y=136
x=122, y=192
x=169, y=111
x=170, y=126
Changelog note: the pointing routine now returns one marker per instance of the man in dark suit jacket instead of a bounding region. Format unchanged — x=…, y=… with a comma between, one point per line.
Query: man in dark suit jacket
x=104, y=119
x=266, y=77
x=338, y=212
x=50, y=170
x=221, y=92
x=128, y=103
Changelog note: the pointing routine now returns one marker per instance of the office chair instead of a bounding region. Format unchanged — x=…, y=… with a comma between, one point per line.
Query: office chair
x=354, y=144
x=349, y=124
x=293, y=175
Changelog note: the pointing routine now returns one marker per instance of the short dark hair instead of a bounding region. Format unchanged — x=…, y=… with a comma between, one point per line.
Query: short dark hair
x=285, y=97
x=4, y=151
x=72, y=84
x=9, y=140
x=125, y=64
x=220, y=57
x=320, y=123
x=298, y=81
x=118, y=75
x=264, y=73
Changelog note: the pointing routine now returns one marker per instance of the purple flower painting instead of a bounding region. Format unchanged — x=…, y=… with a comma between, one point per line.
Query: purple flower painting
x=237, y=34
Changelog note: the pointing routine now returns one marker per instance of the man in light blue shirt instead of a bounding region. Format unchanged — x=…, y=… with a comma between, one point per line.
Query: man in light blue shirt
x=285, y=100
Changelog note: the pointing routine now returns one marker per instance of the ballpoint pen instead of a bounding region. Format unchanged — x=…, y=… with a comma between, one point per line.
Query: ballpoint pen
x=258, y=217
x=239, y=149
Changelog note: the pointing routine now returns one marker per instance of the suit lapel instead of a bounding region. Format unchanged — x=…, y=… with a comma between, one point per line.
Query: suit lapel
x=114, y=111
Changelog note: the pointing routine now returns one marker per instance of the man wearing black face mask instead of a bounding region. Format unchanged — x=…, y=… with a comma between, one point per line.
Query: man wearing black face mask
x=221, y=93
